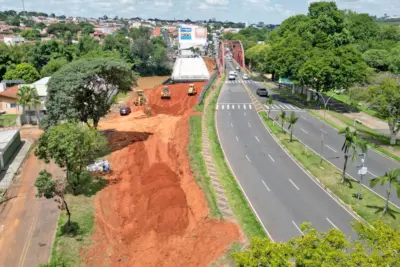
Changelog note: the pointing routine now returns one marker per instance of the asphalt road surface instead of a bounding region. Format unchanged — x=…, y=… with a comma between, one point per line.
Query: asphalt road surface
x=280, y=192
x=309, y=130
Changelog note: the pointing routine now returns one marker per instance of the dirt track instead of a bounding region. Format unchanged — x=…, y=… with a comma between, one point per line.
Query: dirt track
x=153, y=213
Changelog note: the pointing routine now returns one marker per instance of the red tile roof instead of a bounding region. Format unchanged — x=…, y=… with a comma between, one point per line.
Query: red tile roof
x=156, y=32
x=10, y=92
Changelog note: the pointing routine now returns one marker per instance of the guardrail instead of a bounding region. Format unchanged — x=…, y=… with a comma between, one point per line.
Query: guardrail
x=206, y=86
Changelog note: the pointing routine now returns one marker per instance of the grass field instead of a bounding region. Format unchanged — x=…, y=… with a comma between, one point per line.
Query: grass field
x=199, y=167
x=236, y=199
x=330, y=177
x=7, y=120
x=345, y=99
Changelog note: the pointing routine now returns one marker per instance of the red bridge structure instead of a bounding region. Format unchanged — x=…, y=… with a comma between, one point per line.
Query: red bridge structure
x=235, y=47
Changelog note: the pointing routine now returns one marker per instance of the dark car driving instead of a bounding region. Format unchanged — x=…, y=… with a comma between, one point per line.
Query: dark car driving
x=125, y=111
x=262, y=92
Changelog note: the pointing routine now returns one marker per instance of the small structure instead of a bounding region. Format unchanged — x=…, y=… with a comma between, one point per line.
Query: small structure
x=10, y=142
x=99, y=166
x=13, y=40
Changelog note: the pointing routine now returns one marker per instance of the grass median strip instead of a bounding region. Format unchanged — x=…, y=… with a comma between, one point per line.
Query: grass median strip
x=236, y=199
x=198, y=165
x=330, y=176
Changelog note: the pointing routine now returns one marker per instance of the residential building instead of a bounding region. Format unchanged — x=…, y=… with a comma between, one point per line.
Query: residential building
x=156, y=32
x=8, y=99
x=13, y=40
x=136, y=24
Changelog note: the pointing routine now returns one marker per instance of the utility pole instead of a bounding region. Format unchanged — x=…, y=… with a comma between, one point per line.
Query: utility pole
x=23, y=7
x=362, y=171
x=323, y=124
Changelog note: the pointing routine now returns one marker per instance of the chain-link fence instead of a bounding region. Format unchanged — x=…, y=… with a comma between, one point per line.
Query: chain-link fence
x=214, y=75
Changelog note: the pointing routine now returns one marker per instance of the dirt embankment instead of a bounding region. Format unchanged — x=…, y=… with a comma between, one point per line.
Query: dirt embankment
x=153, y=213
x=210, y=63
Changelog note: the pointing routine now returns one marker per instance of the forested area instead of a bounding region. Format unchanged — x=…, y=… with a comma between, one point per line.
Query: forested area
x=146, y=55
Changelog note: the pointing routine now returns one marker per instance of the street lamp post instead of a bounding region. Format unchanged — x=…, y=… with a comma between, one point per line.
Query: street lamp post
x=323, y=126
x=362, y=171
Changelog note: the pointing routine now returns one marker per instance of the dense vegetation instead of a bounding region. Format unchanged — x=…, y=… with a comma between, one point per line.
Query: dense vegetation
x=249, y=36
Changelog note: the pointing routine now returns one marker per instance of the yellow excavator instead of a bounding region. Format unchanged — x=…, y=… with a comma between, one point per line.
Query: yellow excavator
x=140, y=99
x=192, y=90
x=165, y=94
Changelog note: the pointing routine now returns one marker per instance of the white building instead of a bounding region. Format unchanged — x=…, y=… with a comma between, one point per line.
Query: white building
x=41, y=88
x=13, y=40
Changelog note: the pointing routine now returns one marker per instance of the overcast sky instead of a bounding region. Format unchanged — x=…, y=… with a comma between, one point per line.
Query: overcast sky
x=268, y=11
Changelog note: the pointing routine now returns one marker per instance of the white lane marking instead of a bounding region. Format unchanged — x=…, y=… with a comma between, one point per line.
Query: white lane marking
x=275, y=107
x=216, y=107
x=223, y=107
x=266, y=106
x=294, y=184
x=303, y=118
x=244, y=106
x=258, y=140
x=245, y=114
x=248, y=158
x=237, y=139
x=323, y=131
x=233, y=106
x=372, y=174
x=295, y=225
x=290, y=107
x=231, y=124
x=265, y=185
x=250, y=107
x=227, y=106
x=332, y=223
x=287, y=106
x=331, y=148
x=303, y=131
x=249, y=124
x=238, y=106
x=271, y=158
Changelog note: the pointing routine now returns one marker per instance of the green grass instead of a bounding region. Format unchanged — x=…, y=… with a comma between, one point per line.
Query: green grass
x=330, y=177
x=346, y=99
x=199, y=167
x=68, y=243
x=226, y=259
x=200, y=107
x=373, y=137
x=7, y=120
x=236, y=199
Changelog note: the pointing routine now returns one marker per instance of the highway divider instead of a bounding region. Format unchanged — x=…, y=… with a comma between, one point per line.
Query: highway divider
x=213, y=76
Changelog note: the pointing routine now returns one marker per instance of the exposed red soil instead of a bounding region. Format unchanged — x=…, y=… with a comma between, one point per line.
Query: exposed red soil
x=153, y=213
x=210, y=63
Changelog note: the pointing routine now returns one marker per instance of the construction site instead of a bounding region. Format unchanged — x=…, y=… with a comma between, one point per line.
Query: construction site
x=153, y=212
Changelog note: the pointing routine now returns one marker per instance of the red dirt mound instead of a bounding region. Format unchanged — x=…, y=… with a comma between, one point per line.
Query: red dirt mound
x=210, y=63
x=153, y=213
x=180, y=100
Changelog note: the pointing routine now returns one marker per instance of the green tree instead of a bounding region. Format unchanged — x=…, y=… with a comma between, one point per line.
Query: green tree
x=270, y=101
x=282, y=117
x=348, y=148
x=52, y=189
x=30, y=34
x=23, y=71
x=52, y=66
x=378, y=59
x=83, y=90
x=292, y=119
x=28, y=97
x=392, y=178
x=71, y=146
x=385, y=98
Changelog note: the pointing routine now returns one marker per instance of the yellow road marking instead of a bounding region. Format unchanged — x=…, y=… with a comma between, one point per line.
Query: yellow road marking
x=27, y=242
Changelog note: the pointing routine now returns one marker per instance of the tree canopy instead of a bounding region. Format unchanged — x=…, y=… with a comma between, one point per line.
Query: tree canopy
x=84, y=89
x=23, y=71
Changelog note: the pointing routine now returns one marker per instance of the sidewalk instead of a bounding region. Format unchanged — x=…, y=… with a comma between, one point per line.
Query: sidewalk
x=27, y=224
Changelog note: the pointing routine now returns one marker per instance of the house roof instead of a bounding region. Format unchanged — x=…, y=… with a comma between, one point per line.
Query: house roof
x=42, y=81
x=156, y=32
x=10, y=92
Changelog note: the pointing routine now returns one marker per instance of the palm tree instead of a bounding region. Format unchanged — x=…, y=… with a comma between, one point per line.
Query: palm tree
x=390, y=177
x=269, y=102
x=349, y=148
x=292, y=121
x=282, y=116
x=28, y=97
x=363, y=145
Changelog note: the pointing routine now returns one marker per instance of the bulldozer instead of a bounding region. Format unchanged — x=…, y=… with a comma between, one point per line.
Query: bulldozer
x=165, y=94
x=140, y=99
x=192, y=90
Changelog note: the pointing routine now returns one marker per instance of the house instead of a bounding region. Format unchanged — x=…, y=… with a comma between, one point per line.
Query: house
x=8, y=99
x=156, y=32
x=13, y=40
x=41, y=88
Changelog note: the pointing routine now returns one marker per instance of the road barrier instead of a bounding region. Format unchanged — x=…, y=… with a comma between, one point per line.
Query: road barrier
x=214, y=75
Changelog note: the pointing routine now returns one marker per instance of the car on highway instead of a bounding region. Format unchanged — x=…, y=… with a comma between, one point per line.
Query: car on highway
x=232, y=77
x=262, y=92
x=235, y=73
x=125, y=111
x=245, y=77
x=238, y=68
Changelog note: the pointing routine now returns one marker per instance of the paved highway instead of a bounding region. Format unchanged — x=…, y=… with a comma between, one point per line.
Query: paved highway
x=280, y=192
x=309, y=129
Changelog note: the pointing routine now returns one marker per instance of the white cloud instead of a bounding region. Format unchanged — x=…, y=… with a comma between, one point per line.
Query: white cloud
x=217, y=2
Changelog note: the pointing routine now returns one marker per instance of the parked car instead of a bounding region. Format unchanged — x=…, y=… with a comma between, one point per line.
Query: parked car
x=245, y=77
x=262, y=92
x=232, y=77
x=125, y=111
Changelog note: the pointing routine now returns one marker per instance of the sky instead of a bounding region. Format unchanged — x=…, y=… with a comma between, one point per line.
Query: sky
x=251, y=11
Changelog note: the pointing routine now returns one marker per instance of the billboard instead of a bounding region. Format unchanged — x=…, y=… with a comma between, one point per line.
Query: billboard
x=185, y=33
x=200, y=33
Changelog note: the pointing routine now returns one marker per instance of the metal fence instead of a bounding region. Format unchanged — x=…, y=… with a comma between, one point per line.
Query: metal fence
x=213, y=76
